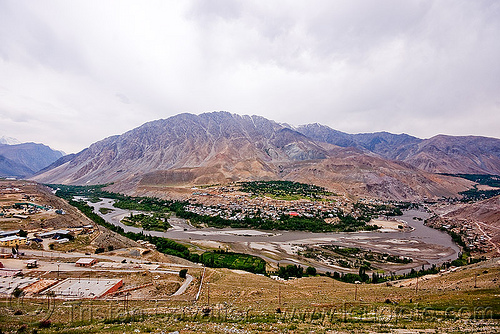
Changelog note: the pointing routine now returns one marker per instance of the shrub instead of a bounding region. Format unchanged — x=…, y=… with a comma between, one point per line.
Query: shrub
x=182, y=273
x=44, y=324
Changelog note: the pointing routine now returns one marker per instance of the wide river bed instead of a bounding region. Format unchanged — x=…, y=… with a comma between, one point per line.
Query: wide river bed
x=422, y=243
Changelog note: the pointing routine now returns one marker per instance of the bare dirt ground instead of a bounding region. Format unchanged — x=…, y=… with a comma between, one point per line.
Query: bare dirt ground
x=391, y=225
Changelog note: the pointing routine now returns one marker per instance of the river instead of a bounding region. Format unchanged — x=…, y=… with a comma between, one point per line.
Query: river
x=427, y=245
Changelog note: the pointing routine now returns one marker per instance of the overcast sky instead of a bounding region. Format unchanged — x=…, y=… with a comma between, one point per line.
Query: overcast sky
x=75, y=72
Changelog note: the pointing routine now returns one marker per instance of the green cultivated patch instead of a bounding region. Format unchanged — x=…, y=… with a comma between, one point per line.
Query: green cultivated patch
x=155, y=222
x=284, y=190
x=223, y=259
x=105, y=211
x=475, y=194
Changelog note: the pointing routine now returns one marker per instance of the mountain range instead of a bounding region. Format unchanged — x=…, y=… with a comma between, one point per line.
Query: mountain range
x=187, y=150
x=439, y=154
x=22, y=160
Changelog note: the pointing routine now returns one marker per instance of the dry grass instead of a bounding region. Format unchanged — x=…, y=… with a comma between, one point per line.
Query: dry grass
x=246, y=303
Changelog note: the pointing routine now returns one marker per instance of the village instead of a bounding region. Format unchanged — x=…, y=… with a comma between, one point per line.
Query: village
x=229, y=203
x=474, y=238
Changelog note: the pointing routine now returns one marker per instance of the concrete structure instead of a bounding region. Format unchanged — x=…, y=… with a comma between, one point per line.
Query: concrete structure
x=4, y=234
x=39, y=286
x=12, y=241
x=8, y=272
x=86, y=262
x=9, y=284
x=76, y=288
x=63, y=240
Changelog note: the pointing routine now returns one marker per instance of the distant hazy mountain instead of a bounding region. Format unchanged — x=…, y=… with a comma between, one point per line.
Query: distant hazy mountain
x=219, y=147
x=24, y=160
x=9, y=168
x=9, y=141
x=439, y=154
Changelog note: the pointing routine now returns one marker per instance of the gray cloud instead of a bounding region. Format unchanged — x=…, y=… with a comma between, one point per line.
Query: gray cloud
x=76, y=72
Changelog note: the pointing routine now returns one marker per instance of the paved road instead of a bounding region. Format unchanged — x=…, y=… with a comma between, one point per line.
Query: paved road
x=114, y=258
x=184, y=285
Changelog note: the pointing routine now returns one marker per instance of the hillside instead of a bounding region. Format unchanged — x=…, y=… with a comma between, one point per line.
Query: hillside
x=484, y=214
x=220, y=147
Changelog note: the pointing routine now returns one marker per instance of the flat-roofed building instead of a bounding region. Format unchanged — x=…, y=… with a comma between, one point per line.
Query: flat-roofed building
x=52, y=234
x=86, y=262
x=4, y=234
x=12, y=241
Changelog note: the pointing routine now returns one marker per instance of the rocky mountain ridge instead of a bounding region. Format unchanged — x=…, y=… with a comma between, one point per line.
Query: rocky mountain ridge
x=439, y=154
x=219, y=147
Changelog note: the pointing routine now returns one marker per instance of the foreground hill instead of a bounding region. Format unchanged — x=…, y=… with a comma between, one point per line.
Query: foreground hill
x=439, y=154
x=24, y=160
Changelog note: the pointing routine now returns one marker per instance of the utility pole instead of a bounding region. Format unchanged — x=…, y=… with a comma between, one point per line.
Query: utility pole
x=356, y=289
x=208, y=293
x=279, y=295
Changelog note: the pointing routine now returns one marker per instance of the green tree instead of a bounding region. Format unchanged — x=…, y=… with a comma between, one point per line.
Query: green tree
x=183, y=273
x=311, y=271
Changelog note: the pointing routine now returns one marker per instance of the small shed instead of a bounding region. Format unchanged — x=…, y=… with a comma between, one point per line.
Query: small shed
x=86, y=262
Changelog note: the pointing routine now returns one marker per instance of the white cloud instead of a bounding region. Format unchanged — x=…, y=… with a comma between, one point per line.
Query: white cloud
x=76, y=72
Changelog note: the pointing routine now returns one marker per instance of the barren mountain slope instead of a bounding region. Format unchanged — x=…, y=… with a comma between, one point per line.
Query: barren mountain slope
x=21, y=160
x=187, y=150
x=217, y=140
x=447, y=154
x=362, y=175
x=439, y=154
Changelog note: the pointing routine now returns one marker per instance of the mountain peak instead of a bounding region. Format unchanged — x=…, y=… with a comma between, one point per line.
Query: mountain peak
x=9, y=141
